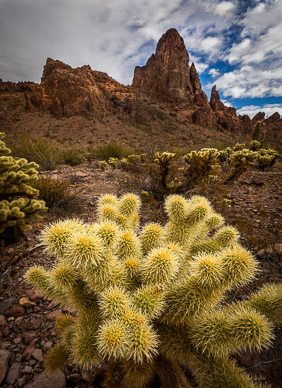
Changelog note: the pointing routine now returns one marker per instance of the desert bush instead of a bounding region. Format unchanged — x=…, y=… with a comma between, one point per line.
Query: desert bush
x=55, y=193
x=18, y=203
x=46, y=154
x=72, y=156
x=110, y=150
x=151, y=301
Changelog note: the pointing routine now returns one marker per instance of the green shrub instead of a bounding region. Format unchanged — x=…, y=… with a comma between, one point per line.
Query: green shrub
x=46, y=154
x=110, y=150
x=17, y=196
x=149, y=301
x=72, y=156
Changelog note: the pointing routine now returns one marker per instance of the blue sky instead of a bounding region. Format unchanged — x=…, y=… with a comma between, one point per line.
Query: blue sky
x=235, y=44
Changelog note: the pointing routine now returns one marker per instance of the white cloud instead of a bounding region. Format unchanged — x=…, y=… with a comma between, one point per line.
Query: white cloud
x=250, y=81
x=225, y=8
x=227, y=103
x=252, y=110
x=262, y=31
x=214, y=72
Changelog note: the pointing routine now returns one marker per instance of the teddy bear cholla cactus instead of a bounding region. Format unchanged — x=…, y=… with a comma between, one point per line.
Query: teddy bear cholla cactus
x=151, y=302
x=18, y=203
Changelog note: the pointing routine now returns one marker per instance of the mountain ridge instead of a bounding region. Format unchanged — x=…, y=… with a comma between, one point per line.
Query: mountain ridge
x=167, y=89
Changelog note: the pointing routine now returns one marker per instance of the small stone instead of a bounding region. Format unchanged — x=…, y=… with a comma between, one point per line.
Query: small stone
x=15, y=311
x=278, y=248
x=6, y=331
x=3, y=321
x=28, y=352
x=37, y=309
x=48, y=380
x=52, y=304
x=27, y=369
x=5, y=345
x=13, y=373
x=21, y=381
x=28, y=337
x=34, y=295
x=53, y=315
x=86, y=375
x=32, y=362
x=261, y=253
x=37, y=354
x=26, y=302
x=47, y=346
x=19, y=320
x=19, y=357
x=10, y=319
x=74, y=378
x=35, y=323
x=257, y=181
x=17, y=340
x=4, y=359
x=53, y=333
x=6, y=304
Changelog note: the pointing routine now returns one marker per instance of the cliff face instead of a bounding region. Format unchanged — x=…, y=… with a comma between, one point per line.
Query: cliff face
x=67, y=91
x=167, y=75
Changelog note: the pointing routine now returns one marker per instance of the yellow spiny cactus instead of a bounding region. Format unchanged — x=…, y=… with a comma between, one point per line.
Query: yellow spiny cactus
x=150, y=300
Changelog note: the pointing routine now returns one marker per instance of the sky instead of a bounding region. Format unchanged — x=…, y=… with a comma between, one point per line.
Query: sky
x=236, y=45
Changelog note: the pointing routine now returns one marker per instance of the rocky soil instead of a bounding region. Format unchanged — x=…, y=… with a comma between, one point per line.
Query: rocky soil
x=27, y=319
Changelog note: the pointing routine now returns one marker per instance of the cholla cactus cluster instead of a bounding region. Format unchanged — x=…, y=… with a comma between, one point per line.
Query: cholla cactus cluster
x=201, y=165
x=151, y=301
x=17, y=196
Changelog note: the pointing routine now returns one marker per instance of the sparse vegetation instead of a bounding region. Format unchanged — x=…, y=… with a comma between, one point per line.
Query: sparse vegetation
x=110, y=150
x=41, y=151
x=72, y=156
x=55, y=193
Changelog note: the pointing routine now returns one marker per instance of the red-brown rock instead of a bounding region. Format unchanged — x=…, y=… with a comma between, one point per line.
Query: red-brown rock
x=167, y=74
x=15, y=311
x=67, y=91
x=215, y=102
x=273, y=118
x=203, y=117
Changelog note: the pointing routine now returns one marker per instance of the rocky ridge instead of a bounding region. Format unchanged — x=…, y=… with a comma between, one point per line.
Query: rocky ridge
x=167, y=77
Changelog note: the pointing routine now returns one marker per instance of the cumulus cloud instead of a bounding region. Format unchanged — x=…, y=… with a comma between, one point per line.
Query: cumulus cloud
x=225, y=8
x=227, y=103
x=252, y=110
x=261, y=34
x=214, y=72
x=250, y=81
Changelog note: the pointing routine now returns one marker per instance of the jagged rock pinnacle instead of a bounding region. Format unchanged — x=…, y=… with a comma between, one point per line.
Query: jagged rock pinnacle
x=167, y=74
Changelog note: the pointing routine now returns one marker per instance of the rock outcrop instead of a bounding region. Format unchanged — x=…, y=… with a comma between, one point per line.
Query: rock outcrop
x=167, y=75
x=80, y=91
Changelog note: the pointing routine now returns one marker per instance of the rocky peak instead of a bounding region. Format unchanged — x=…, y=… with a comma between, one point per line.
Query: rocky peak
x=167, y=74
x=215, y=102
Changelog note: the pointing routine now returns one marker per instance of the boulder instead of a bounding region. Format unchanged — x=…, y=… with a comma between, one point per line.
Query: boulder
x=48, y=380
